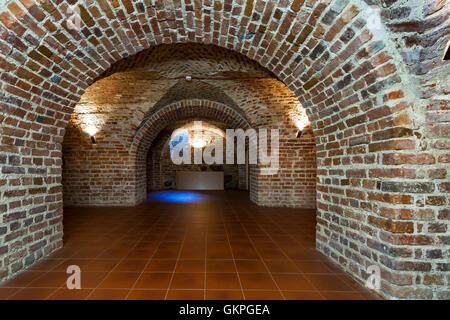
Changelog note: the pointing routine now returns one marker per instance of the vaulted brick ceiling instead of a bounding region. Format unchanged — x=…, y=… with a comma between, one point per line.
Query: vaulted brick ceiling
x=195, y=89
x=198, y=61
x=155, y=78
x=170, y=65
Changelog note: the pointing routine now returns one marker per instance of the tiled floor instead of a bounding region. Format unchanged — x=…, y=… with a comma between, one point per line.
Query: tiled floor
x=209, y=245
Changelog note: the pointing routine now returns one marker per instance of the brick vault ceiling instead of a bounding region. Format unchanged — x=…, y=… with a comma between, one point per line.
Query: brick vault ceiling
x=180, y=60
x=156, y=77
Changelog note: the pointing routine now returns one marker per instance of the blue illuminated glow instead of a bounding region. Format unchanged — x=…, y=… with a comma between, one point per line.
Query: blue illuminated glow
x=177, y=196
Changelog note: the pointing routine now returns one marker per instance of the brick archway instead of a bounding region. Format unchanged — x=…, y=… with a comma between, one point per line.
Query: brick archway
x=159, y=156
x=208, y=109
x=151, y=127
x=351, y=82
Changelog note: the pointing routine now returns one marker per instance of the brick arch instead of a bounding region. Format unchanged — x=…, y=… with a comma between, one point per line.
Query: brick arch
x=351, y=84
x=279, y=55
x=149, y=130
x=160, y=147
x=179, y=110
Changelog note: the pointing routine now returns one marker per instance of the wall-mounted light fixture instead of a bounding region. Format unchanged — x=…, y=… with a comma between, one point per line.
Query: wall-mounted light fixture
x=91, y=130
x=301, y=124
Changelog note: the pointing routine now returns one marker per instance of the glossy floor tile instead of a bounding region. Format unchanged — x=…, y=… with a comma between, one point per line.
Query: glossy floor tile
x=222, y=247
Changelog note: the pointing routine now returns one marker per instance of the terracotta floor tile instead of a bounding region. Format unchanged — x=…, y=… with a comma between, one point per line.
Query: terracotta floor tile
x=6, y=292
x=119, y=280
x=302, y=295
x=312, y=267
x=218, y=253
x=46, y=264
x=222, y=281
x=23, y=279
x=339, y=295
x=224, y=295
x=161, y=265
x=32, y=294
x=139, y=254
x=147, y=245
x=272, y=254
x=153, y=281
x=368, y=295
x=352, y=283
x=188, y=281
x=62, y=267
x=88, y=253
x=281, y=266
x=196, y=254
x=100, y=265
x=304, y=254
x=185, y=295
x=50, y=279
x=91, y=280
x=114, y=254
x=292, y=281
x=66, y=294
x=244, y=253
x=190, y=266
x=108, y=294
x=147, y=295
x=131, y=265
x=64, y=253
x=220, y=266
x=333, y=267
x=260, y=281
x=250, y=266
x=324, y=282
x=166, y=254
x=263, y=295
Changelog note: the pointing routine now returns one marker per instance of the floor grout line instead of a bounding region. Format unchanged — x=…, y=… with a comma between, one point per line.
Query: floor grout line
x=89, y=295
x=232, y=254
x=291, y=262
x=175, y=268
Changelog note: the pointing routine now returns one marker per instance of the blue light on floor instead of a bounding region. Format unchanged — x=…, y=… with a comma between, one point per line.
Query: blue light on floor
x=177, y=196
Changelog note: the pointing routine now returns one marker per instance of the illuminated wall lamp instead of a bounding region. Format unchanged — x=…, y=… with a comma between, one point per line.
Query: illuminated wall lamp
x=91, y=130
x=301, y=124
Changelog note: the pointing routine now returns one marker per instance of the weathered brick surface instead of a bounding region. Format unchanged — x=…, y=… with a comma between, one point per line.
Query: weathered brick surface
x=376, y=100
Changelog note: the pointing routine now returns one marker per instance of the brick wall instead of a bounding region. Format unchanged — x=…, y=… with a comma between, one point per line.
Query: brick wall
x=377, y=100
